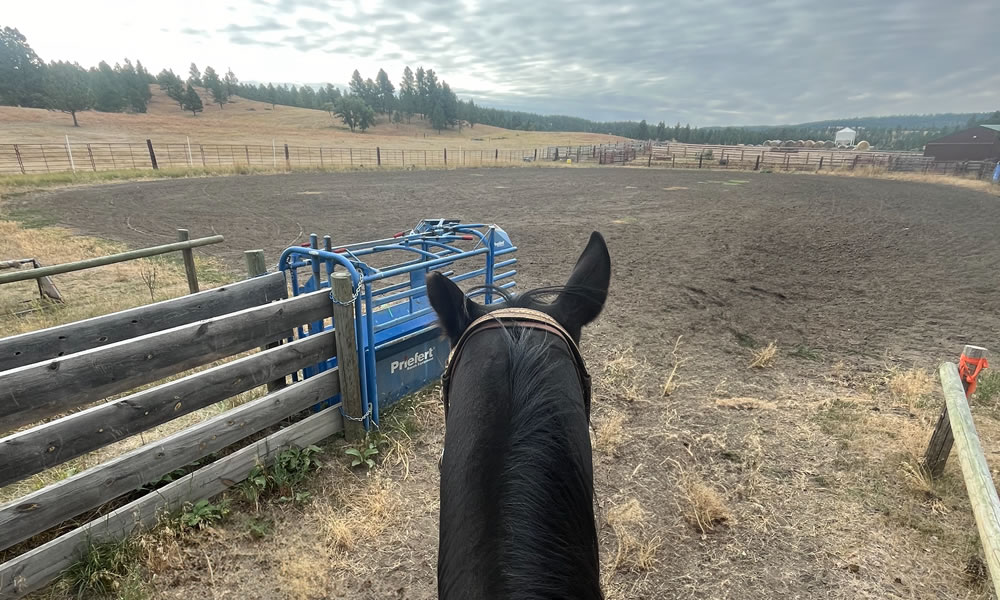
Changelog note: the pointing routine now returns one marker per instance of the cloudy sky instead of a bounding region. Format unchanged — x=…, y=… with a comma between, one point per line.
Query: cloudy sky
x=707, y=62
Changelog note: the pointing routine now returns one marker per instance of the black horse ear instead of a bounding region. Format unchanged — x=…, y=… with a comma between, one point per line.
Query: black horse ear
x=453, y=309
x=587, y=289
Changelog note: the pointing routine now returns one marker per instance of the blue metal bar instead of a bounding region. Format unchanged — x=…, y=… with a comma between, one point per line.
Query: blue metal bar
x=372, y=387
x=490, y=260
x=510, y=273
x=428, y=264
x=403, y=319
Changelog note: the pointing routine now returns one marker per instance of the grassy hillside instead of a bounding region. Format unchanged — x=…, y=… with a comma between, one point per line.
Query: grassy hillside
x=247, y=121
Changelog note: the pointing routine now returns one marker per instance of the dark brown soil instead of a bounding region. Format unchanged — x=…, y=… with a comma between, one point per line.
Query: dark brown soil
x=850, y=277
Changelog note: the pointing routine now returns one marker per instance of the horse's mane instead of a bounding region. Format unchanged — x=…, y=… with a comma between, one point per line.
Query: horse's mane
x=546, y=490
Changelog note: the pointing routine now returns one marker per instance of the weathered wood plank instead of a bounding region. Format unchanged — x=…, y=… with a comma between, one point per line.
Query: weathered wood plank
x=49, y=506
x=41, y=390
x=46, y=344
x=108, y=260
x=939, y=447
x=189, y=269
x=32, y=570
x=975, y=471
x=32, y=451
x=347, y=353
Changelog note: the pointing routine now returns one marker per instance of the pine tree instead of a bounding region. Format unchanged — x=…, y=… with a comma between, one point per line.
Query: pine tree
x=68, y=89
x=109, y=94
x=642, y=131
x=136, y=87
x=192, y=101
x=22, y=73
x=271, y=96
x=408, y=94
x=172, y=84
x=219, y=95
x=420, y=100
x=210, y=79
x=661, y=131
x=231, y=83
x=397, y=118
x=194, y=75
x=357, y=85
x=438, y=119
x=386, y=92
x=472, y=114
x=449, y=102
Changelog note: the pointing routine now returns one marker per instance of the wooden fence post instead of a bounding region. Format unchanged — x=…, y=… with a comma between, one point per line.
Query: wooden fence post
x=20, y=163
x=820, y=167
x=445, y=156
x=288, y=161
x=257, y=266
x=378, y=156
x=936, y=456
x=347, y=355
x=756, y=165
x=90, y=153
x=700, y=158
x=152, y=155
x=649, y=163
x=188, y=254
x=975, y=471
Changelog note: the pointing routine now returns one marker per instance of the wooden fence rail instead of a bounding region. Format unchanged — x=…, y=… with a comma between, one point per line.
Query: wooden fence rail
x=184, y=246
x=34, y=450
x=975, y=470
x=44, y=344
x=40, y=390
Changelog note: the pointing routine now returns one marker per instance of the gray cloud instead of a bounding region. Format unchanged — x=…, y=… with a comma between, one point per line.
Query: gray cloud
x=264, y=26
x=707, y=62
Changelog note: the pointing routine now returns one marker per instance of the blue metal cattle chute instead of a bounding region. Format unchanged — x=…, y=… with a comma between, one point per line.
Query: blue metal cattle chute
x=400, y=349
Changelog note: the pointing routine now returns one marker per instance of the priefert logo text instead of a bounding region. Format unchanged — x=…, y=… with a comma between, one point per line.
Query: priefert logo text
x=412, y=362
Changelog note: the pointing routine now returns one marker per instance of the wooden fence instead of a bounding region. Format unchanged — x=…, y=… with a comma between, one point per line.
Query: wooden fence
x=184, y=245
x=75, y=156
x=806, y=159
x=70, y=371
x=955, y=427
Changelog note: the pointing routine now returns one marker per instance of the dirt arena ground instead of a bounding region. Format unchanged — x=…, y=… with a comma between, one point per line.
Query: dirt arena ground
x=714, y=479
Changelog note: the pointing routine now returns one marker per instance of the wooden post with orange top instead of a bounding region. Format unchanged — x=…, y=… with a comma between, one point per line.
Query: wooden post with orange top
x=970, y=365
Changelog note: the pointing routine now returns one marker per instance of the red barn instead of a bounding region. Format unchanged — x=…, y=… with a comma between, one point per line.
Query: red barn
x=981, y=142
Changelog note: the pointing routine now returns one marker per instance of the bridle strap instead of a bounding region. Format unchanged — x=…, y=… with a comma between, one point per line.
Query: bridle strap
x=525, y=318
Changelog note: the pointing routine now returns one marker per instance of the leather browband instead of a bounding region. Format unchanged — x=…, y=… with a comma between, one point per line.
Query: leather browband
x=520, y=317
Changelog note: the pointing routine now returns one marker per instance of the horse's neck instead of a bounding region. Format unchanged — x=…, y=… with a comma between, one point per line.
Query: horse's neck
x=517, y=480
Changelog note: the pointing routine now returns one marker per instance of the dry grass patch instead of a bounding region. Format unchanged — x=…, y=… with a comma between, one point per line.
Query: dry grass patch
x=764, y=357
x=705, y=508
x=610, y=433
x=910, y=386
x=623, y=374
x=745, y=403
x=880, y=173
x=87, y=293
x=671, y=384
x=634, y=551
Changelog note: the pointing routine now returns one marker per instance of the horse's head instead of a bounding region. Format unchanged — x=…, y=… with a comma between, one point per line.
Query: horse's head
x=576, y=304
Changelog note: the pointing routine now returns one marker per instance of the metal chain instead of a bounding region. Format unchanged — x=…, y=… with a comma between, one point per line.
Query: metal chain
x=360, y=419
x=354, y=298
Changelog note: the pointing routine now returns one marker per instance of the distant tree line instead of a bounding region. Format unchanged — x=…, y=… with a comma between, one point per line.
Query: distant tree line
x=26, y=80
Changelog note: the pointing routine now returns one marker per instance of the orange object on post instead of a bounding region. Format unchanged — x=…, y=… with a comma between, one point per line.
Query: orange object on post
x=969, y=369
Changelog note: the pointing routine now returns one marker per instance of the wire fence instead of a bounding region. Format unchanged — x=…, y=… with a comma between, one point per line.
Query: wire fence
x=802, y=159
x=76, y=156
x=105, y=156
